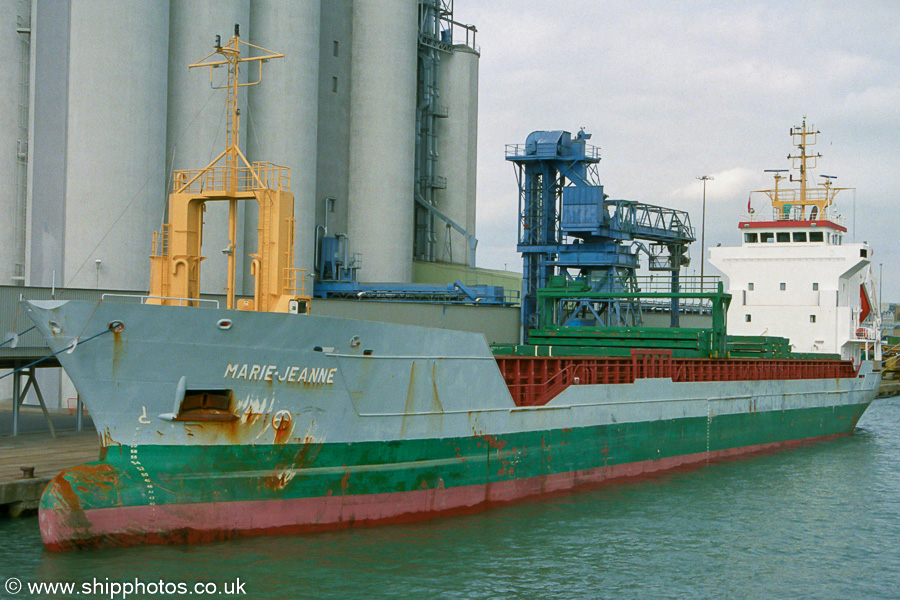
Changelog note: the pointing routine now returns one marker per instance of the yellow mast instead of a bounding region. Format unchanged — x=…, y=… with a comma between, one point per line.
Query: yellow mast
x=800, y=137
x=817, y=198
x=175, y=260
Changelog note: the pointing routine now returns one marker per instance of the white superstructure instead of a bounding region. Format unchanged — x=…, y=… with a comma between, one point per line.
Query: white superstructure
x=796, y=276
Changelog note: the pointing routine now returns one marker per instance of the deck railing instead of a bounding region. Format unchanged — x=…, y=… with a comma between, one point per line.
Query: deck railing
x=260, y=176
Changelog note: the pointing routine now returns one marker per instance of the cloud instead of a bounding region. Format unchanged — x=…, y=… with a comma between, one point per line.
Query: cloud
x=675, y=90
x=879, y=104
x=724, y=186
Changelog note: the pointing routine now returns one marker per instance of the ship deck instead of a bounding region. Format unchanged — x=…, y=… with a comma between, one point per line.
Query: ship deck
x=499, y=324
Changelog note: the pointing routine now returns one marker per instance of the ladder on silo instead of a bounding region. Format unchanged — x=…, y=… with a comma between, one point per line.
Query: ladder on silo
x=23, y=28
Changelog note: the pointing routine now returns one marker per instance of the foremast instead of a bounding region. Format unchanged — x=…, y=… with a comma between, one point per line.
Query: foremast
x=230, y=177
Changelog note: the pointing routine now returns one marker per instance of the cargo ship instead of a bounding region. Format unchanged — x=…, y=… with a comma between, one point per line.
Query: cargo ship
x=262, y=417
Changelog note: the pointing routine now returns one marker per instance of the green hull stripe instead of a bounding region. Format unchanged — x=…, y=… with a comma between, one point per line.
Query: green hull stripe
x=190, y=474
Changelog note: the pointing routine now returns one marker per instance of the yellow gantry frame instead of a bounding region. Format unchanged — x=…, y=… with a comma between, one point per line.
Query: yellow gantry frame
x=175, y=260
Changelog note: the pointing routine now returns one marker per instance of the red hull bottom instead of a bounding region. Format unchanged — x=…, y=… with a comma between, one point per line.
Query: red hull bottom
x=204, y=522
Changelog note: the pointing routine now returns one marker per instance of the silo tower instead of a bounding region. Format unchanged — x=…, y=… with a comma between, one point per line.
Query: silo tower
x=282, y=116
x=382, y=137
x=15, y=45
x=446, y=136
x=115, y=141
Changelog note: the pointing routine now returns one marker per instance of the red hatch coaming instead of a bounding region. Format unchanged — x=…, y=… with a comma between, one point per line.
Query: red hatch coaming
x=534, y=381
x=790, y=224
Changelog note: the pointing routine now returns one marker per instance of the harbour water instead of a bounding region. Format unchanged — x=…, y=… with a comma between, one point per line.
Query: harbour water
x=822, y=521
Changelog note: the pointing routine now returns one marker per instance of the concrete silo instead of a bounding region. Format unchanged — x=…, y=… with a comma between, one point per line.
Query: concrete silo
x=382, y=137
x=196, y=117
x=115, y=141
x=333, y=162
x=47, y=125
x=457, y=147
x=282, y=122
x=14, y=69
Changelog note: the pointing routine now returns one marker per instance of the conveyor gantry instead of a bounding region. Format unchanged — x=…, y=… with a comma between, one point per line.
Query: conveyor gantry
x=567, y=222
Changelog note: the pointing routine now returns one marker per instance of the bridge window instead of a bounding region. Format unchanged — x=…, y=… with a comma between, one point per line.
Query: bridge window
x=751, y=238
x=799, y=236
x=784, y=236
x=767, y=237
x=816, y=236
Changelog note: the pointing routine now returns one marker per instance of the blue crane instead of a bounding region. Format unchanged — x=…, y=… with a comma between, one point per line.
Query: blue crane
x=569, y=227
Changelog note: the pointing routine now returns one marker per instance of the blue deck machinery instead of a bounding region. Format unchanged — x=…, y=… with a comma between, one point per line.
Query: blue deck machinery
x=569, y=231
x=336, y=278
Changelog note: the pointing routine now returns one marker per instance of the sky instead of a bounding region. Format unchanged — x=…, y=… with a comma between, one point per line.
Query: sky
x=675, y=90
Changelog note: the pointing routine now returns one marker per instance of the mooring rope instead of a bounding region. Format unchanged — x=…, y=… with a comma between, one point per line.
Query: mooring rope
x=71, y=346
x=15, y=336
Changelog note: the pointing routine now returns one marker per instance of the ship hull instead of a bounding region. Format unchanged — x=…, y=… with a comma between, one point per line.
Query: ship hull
x=428, y=430
x=214, y=520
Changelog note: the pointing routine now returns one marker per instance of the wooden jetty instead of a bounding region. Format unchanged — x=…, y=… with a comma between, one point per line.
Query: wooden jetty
x=28, y=462
x=889, y=387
